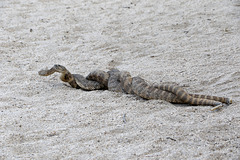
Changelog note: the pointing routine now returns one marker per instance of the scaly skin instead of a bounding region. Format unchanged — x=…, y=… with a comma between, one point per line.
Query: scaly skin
x=66, y=76
x=117, y=81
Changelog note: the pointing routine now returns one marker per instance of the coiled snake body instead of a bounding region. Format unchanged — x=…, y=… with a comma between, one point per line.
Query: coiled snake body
x=117, y=81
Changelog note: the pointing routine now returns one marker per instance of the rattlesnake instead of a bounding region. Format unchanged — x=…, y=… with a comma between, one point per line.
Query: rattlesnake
x=121, y=81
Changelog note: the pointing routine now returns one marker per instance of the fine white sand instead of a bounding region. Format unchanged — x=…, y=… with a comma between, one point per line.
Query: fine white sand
x=193, y=43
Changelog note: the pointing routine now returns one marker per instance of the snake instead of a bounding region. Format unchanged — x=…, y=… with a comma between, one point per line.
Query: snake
x=121, y=81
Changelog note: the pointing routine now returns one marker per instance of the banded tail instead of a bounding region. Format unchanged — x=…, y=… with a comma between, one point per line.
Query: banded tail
x=195, y=99
x=215, y=98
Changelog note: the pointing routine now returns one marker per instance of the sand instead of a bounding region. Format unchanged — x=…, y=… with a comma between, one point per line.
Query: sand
x=193, y=43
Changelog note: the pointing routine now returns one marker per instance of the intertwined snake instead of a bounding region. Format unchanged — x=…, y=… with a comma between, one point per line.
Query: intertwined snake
x=117, y=81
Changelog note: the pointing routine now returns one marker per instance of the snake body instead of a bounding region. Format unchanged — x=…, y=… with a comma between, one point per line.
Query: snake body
x=121, y=81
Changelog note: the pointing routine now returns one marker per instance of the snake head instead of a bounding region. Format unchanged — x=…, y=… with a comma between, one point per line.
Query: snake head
x=59, y=68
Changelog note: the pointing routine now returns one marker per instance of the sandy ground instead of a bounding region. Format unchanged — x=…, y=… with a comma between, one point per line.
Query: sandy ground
x=192, y=43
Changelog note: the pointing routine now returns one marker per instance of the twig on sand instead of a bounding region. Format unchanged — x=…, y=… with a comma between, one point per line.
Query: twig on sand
x=124, y=118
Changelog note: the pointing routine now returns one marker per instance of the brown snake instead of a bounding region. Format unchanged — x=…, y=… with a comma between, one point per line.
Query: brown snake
x=117, y=81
